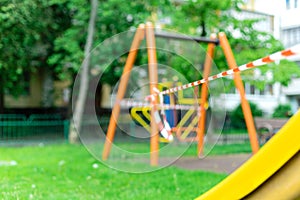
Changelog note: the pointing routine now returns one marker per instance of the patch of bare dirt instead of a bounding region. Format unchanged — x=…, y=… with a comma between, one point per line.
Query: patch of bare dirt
x=221, y=163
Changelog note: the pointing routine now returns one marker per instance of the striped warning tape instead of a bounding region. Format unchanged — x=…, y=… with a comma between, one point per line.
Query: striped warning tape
x=259, y=62
x=162, y=124
x=166, y=129
x=132, y=103
x=163, y=127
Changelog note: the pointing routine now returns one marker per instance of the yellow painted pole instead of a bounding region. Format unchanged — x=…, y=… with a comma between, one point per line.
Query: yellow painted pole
x=239, y=85
x=139, y=36
x=152, y=66
x=204, y=93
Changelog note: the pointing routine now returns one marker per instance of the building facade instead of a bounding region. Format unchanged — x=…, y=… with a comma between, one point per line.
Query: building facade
x=283, y=22
x=270, y=97
x=287, y=13
x=290, y=35
x=42, y=92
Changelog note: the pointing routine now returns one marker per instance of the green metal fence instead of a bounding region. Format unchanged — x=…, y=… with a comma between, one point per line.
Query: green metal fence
x=18, y=125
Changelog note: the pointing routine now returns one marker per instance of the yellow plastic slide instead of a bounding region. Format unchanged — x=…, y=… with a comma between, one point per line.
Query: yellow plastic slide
x=272, y=173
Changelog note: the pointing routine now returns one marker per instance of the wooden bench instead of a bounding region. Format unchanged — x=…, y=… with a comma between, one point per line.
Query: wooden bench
x=266, y=128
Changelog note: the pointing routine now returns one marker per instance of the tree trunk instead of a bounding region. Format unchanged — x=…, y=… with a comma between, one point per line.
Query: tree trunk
x=48, y=88
x=84, y=77
x=98, y=96
x=202, y=24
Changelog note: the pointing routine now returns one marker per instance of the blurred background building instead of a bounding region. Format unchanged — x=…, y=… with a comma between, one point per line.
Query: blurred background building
x=282, y=19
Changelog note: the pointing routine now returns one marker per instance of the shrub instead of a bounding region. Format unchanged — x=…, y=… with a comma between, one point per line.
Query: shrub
x=237, y=116
x=282, y=111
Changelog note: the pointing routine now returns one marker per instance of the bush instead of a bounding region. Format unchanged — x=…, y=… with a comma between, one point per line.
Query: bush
x=237, y=116
x=282, y=111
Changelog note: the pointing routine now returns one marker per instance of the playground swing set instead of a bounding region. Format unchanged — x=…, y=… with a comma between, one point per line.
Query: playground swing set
x=276, y=165
x=147, y=32
x=181, y=113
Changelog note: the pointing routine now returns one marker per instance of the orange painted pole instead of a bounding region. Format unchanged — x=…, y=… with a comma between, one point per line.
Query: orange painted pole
x=152, y=65
x=239, y=85
x=204, y=93
x=138, y=37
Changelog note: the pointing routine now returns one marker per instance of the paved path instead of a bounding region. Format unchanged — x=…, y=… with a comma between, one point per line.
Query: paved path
x=221, y=164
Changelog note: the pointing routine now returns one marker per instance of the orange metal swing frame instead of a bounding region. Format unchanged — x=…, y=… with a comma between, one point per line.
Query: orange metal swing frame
x=147, y=31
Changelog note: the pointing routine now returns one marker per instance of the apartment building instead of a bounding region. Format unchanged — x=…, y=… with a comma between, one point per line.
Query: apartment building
x=281, y=20
x=270, y=97
x=287, y=30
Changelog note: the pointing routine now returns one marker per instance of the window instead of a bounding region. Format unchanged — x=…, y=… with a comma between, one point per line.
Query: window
x=291, y=36
x=298, y=35
x=252, y=89
x=287, y=4
x=247, y=88
x=269, y=89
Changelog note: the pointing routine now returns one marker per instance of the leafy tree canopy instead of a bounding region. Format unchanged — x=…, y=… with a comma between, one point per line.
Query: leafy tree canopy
x=113, y=17
x=51, y=33
x=27, y=31
x=203, y=17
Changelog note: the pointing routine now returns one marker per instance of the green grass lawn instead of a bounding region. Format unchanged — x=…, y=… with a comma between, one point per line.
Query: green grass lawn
x=190, y=149
x=66, y=171
x=235, y=131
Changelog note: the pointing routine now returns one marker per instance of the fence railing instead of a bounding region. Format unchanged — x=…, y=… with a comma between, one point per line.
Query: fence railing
x=14, y=126
x=18, y=125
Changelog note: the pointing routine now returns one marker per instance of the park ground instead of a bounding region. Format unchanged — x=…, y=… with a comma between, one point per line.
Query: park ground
x=64, y=171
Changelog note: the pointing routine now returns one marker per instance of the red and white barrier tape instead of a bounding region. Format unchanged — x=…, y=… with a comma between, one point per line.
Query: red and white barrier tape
x=259, y=62
x=131, y=103
x=164, y=127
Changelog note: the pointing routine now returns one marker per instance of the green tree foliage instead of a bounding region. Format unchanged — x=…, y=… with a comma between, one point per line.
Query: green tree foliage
x=113, y=17
x=237, y=116
x=52, y=33
x=203, y=17
x=282, y=111
x=200, y=17
x=251, y=44
x=28, y=29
